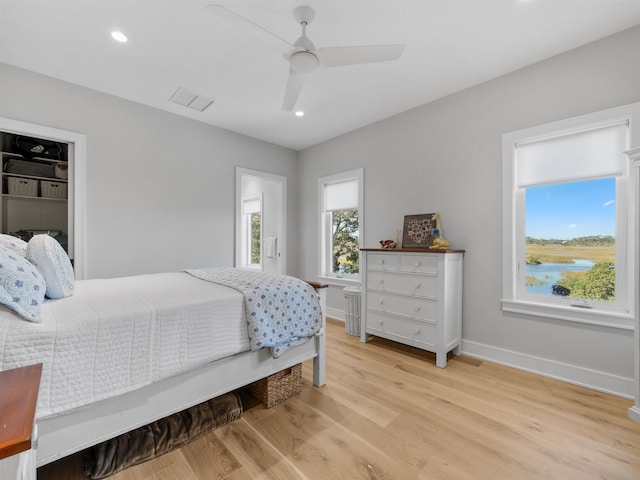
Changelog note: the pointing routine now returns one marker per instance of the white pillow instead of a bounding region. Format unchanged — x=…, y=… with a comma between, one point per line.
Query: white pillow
x=53, y=263
x=13, y=243
x=22, y=287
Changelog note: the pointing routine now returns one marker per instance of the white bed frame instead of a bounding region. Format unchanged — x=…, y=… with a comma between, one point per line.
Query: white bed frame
x=67, y=433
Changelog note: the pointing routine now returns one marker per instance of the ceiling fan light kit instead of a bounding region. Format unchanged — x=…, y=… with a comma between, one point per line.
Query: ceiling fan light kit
x=303, y=57
x=303, y=62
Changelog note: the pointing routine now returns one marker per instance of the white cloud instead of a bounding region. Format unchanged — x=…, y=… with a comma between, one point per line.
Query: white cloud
x=572, y=225
x=610, y=202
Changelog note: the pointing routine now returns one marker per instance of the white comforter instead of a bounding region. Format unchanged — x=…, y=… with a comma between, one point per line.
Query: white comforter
x=116, y=335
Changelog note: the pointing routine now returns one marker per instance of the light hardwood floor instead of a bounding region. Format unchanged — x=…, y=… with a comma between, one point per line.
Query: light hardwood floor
x=387, y=412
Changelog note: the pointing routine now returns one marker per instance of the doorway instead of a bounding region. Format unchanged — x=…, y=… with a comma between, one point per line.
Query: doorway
x=261, y=221
x=76, y=182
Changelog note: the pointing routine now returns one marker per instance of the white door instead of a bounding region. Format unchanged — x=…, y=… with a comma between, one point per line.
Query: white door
x=271, y=190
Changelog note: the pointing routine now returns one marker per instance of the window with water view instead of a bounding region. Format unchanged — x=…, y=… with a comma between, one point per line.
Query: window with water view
x=570, y=244
x=568, y=219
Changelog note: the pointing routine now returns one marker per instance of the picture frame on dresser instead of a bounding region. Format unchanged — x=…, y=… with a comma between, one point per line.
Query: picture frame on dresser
x=417, y=230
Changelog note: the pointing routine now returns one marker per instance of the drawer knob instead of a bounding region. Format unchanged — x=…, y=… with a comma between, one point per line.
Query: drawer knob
x=416, y=308
x=416, y=331
x=380, y=301
x=418, y=284
x=380, y=322
x=418, y=263
x=382, y=261
x=381, y=281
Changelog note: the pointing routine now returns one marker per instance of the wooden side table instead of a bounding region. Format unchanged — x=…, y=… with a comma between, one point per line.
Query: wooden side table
x=18, y=398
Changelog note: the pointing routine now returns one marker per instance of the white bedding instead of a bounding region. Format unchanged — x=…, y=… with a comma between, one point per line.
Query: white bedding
x=93, y=347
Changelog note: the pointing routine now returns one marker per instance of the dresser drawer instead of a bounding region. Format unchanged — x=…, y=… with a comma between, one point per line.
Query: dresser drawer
x=397, y=328
x=416, y=285
x=423, y=309
x=382, y=262
x=418, y=264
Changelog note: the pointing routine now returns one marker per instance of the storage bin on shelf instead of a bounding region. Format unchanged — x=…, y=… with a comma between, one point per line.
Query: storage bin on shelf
x=25, y=187
x=28, y=167
x=50, y=189
x=278, y=387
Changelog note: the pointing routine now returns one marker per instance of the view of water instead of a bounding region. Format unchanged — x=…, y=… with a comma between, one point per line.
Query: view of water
x=550, y=273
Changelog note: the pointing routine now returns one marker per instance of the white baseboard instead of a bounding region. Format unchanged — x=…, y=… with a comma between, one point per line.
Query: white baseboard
x=594, y=379
x=336, y=314
x=634, y=413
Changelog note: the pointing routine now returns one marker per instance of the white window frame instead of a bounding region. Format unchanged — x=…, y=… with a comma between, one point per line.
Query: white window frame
x=246, y=233
x=325, y=228
x=622, y=314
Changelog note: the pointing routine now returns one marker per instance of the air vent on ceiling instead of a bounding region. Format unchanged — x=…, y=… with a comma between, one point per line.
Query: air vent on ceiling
x=190, y=99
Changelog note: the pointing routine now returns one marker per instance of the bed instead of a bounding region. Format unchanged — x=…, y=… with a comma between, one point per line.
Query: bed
x=122, y=353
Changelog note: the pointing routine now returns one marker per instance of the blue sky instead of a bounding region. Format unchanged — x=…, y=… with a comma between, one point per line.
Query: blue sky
x=569, y=210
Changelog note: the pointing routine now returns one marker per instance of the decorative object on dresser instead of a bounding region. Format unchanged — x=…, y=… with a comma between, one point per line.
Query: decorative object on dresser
x=388, y=244
x=417, y=230
x=414, y=297
x=423, y=231
x=438, y=241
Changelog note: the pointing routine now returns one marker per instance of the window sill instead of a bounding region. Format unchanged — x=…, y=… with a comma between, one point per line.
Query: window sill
x=623, y=321
x=340, y=282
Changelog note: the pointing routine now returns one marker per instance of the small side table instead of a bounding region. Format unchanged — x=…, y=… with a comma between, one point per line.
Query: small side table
x=18, y=433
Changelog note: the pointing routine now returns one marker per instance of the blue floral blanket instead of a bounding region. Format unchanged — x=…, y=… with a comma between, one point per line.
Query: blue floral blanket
x=282, y=311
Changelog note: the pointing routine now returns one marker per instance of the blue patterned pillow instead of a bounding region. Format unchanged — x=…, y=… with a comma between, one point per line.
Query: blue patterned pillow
x=13, y=243
x=21, y=285
x=53, y=263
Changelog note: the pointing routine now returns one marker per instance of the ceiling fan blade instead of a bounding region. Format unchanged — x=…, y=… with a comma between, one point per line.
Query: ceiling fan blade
x=294, y=87
x=253, y=29
x=341, y=56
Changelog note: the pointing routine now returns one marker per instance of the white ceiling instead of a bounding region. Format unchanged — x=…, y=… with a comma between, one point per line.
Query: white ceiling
x=450, y=45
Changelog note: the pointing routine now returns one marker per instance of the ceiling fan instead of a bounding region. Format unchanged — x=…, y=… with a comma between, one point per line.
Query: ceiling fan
x=302, y=55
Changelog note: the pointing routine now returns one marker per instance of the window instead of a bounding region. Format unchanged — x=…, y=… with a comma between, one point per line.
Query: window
x=252, y=232
x=567, y=219
x=340, y=225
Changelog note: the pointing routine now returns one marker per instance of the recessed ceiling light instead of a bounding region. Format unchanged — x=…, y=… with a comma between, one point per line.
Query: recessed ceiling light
x=299, y=113
x=119, y=36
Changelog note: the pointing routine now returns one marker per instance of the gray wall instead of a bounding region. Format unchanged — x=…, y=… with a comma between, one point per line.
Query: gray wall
x=446, y=157
x=159, y=187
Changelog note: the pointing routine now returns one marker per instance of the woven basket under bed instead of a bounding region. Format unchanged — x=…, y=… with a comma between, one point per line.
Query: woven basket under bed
x=278, y=387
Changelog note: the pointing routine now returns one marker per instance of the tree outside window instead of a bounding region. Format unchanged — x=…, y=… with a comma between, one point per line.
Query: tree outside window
x=252, y=232
x=345, y=241
x=256, y=224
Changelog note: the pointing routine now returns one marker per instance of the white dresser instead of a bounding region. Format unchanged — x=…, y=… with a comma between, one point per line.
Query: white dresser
x=414, y=297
